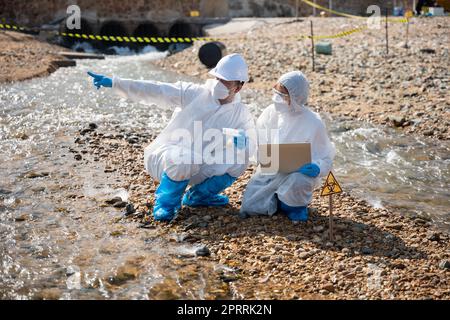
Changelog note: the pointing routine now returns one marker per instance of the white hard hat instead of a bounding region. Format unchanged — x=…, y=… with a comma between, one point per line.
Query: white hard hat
x=231, y=68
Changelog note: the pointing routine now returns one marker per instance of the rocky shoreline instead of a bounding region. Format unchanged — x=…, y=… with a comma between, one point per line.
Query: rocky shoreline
x=377, y=254
x=407, y=90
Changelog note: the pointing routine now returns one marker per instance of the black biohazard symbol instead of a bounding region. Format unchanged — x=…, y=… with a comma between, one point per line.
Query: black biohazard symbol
x=331, y=186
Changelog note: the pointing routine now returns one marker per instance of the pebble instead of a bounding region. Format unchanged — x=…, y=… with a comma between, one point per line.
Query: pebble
x=434, y=236
x=202, y=251
x=328, y=287
x=304, y=255
x=113, y=200
x=33, y=174
x=318, y=228
x=444, y=264
x=84, y=131
x=129, y=209
x=120, y=204
x=367, y=250
x=133, y=140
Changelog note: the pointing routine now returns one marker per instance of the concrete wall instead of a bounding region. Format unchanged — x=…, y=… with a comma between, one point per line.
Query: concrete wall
x=119, y=18
x=37, y=12
x=161, y=17
x=287, y=8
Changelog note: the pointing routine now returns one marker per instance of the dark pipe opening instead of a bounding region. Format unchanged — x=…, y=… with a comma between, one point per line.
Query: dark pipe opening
x=181, y=30
x=113, y=28
x=85, y=29
x=148, y=30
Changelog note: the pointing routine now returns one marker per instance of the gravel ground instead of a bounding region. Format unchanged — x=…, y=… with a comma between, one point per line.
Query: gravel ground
x=377, y=254
x=407, y=89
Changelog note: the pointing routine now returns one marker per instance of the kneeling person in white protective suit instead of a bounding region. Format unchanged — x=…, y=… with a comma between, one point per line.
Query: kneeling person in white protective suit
x=198, y=108
x=294, y=122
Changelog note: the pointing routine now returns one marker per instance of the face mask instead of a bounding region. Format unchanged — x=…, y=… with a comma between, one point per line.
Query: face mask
x=279, y=103
x=218, y=89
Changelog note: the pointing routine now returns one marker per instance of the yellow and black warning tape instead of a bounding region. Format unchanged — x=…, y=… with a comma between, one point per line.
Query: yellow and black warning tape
x=312, y=4
x=161, y=40
x=130, y=39
x=11, y=27
x=337, y=35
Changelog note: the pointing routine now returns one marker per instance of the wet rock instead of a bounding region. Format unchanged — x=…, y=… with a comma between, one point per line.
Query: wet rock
x=85, y=131
x=23, y=136
x=129, y=209
x=434, y=236
x=4, y=191
x=444, y=264
x=78, y=157
x=147, y=225
x=33, y=174
x=116, y=233
x=48, y=294
x=397, y=121
x=428, y=50
x=202, y=224
x=133, y=140
x=22, y=217
x=123, y=275
x=113, y=200
x=243, y=215
x=93, y=126
x=367, y=250
x=202, y=252
x=120, y=204
x=228, y=278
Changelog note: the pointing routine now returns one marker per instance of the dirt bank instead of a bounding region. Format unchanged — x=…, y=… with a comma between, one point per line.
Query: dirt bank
x=24, y=57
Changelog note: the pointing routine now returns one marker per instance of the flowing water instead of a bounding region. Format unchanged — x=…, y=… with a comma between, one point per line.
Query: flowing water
x=59, y=241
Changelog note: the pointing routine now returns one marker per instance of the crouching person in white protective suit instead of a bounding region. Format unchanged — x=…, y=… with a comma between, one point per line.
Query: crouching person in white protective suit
x=292, y=122
x=192, y=149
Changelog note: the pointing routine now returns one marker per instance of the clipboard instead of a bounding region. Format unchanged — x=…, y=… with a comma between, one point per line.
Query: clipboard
x=283, y=158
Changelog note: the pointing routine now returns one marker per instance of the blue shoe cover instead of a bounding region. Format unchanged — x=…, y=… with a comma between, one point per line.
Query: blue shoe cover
x=294, y=213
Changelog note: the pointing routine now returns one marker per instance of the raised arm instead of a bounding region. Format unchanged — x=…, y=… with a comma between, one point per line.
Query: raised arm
x=162, y=94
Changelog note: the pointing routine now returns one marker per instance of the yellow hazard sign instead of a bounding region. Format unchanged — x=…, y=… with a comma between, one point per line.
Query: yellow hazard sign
x=331, y=186
x=195, y=13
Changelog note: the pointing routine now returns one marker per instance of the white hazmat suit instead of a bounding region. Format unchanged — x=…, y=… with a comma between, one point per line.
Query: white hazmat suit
x=296, y=124
x=195, y=111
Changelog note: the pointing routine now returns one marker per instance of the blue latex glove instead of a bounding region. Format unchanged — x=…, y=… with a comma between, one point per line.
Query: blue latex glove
x=310, y=169
x=207, y=192
x=101, y=81
x=241, y=141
